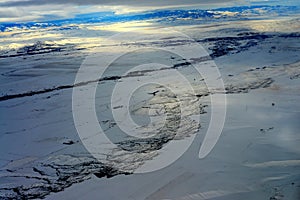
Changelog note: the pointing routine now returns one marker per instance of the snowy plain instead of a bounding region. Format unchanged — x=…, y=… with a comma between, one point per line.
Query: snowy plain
x=256, y=157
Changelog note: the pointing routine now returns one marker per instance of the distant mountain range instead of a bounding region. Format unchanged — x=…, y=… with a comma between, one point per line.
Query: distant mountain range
x=228, y=13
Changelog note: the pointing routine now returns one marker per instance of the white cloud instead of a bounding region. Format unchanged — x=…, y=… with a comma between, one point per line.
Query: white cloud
x=39, y=10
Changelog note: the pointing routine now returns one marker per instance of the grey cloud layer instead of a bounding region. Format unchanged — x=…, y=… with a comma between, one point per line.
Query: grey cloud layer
x=39, y=10
x=135, y=3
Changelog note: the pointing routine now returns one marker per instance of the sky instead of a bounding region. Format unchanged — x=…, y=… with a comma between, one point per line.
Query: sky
x=41, y=10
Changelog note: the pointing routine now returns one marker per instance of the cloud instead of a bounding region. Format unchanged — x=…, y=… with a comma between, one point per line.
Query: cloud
x=33, y=13
x=132, y=3
x=40, y=10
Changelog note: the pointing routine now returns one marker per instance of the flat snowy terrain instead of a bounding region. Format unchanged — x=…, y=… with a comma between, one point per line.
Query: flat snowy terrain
x=256, y=157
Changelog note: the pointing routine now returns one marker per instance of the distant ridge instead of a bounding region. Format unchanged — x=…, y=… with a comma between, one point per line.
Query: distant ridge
x=161, y=15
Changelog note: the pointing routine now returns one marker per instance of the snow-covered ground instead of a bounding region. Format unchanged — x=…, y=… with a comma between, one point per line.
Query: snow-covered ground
x=256, y=157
